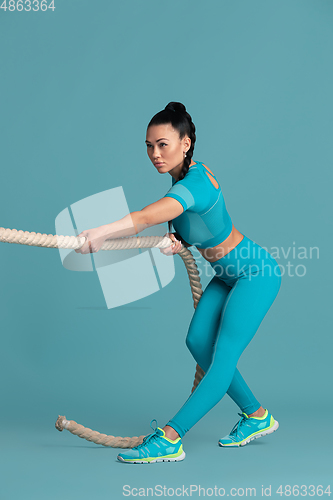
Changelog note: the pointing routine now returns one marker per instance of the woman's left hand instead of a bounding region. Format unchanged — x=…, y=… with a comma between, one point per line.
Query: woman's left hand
x=174, y=248
x=94, y=240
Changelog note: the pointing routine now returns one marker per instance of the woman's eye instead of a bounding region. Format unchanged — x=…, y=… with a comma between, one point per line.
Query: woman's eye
x=160, y=144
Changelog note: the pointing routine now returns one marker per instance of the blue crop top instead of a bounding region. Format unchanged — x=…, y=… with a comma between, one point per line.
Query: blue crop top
x=205, y=221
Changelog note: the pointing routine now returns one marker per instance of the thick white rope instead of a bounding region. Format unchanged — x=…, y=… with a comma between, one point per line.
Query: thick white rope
x=74, y=242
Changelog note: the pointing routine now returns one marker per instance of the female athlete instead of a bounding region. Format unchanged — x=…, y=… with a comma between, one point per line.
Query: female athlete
x=232, y=306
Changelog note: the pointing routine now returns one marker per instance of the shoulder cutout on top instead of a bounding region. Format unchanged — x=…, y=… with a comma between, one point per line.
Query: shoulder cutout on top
x=212, y=179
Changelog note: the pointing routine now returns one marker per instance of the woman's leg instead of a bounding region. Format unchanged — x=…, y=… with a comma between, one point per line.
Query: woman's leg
x=202, y=335
x=247, y=304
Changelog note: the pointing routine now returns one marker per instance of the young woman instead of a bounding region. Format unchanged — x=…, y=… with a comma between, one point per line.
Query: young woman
x=234, y=303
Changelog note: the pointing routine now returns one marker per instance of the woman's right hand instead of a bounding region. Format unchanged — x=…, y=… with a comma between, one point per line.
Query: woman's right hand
x=174, y=248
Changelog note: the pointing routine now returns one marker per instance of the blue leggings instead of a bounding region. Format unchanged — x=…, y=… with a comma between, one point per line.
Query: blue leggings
x=229, y=313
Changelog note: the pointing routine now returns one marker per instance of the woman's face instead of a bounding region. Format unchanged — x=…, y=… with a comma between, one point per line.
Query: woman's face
x=165, y=149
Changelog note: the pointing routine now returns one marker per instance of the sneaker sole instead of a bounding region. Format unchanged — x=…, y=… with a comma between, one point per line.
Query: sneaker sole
x=162, y=459
x=256, y=436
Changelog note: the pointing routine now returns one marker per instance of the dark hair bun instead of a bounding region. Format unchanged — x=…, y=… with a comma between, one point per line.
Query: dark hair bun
x=176, y=106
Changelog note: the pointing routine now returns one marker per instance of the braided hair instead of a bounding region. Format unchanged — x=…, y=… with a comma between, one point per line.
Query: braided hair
x=176, y=114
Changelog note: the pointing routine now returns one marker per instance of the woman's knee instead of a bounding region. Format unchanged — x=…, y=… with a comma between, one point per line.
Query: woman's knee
x=191, y=341
x=194, y=341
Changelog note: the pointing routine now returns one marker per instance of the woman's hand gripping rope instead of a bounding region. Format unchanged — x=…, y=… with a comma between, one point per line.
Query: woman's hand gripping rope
x=94, y=240
x=174, y=248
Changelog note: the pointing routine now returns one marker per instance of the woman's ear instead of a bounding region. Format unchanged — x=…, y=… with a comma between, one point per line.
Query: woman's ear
x=187, y=142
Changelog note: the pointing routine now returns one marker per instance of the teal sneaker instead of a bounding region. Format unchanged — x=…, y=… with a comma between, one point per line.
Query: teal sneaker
x=156, y=447
x=249, y=428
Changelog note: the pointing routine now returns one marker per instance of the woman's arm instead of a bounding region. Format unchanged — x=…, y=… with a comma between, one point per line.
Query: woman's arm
x=129, y=225
x=161, y=211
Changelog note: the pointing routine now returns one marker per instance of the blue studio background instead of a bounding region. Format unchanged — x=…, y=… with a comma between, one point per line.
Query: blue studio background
x=78, y=87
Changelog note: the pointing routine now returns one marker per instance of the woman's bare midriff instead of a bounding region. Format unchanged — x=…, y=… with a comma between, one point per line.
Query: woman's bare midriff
x=213, y=254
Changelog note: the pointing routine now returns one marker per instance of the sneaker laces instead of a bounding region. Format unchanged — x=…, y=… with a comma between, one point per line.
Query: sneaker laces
x=150, y=438
x=241, y=422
